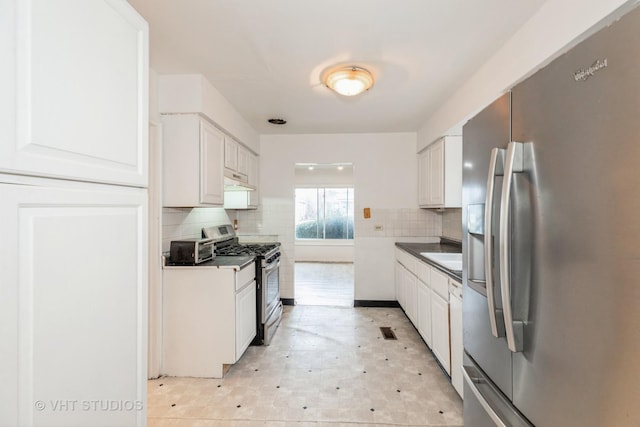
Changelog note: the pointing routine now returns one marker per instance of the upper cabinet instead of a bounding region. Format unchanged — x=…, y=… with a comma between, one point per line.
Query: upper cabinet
x=193, y=162
x=230, y=154
x=440, y=174
x=74, y=84
x=237, y=160
x=245, y=199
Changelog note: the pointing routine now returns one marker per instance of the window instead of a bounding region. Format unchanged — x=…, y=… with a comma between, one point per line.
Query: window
x=324, y=213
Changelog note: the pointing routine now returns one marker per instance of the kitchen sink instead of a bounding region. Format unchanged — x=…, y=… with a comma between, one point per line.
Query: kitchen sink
x=451, y=261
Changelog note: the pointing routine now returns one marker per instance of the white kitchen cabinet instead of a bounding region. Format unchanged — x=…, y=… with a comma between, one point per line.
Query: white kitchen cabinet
x=399, y=283
x=440, y=330
x=245, y=317
x=411, y=296
x=246, y=199
x=231, y=154
x=73, y=265
x=455, y=309
x=208, y=318
x=73, y=251
x=74, y=85
x=243, y=160
x=440, y=174
x=253, y=179
x=193, y=156
x=424, y=312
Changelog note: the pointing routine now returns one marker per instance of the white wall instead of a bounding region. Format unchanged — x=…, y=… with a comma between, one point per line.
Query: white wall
x=323, y=252
x=558, y=25
x=384, y=174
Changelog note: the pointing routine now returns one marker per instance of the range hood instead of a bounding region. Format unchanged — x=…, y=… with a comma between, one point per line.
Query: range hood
x=236, y=182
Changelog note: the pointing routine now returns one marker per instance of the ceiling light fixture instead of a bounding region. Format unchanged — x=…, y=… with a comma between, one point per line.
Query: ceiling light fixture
x=276, y=121
x=349, y=81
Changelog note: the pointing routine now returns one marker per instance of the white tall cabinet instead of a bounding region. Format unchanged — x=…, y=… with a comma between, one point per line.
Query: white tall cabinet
x=73, y=251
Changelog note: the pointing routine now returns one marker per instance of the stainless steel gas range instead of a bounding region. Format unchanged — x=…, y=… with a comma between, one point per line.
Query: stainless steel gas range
x=268, y=304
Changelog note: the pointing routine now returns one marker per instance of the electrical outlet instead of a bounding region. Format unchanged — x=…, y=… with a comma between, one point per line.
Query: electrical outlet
x=378, y=227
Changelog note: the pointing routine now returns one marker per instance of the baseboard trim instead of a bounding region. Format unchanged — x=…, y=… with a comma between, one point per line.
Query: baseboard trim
x=375, y=303
x=287, y=301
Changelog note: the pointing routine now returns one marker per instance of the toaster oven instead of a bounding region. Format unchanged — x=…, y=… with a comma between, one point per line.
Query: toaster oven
x=191, y=251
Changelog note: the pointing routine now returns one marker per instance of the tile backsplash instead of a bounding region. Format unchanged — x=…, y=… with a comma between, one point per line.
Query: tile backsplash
x=398, y=223
x=452, y=224
x=186, y=223
x=275, y=218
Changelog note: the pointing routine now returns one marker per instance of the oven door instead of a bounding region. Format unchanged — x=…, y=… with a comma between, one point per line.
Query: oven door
x=270, y=289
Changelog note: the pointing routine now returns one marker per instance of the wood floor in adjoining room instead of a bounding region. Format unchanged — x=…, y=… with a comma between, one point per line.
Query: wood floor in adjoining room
x=326, y=366
x=318, y=283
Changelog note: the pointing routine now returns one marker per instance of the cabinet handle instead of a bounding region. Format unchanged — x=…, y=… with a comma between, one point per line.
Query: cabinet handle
x=496, y=168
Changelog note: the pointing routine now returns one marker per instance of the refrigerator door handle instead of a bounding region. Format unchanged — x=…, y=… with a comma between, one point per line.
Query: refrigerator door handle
x=495, y=406
x=496, y=168
x=483, y=402
x=513, y=164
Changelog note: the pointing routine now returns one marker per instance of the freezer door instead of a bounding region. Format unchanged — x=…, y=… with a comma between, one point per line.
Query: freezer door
x=580, y=360
x=484, y=404
x=488, y=130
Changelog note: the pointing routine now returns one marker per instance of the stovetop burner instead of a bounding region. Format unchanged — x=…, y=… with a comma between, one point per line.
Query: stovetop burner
x=226, y=242
x=236, y=249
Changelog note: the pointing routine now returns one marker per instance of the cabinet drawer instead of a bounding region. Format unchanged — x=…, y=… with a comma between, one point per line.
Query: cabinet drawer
x=409, y=261
x=245, y=276
x=423, y=272
x=440, y=284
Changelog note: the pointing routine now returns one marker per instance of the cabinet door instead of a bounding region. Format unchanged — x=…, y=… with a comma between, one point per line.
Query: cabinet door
x=73, y=300
x=74, y=84
x=243, y=160
x=440, y=330
x=424, y=312
x=253, y=179
x=455, y=307
x=411, y=297
x=211, y=167
x=436, y=173
x=400, y=284
x=423, y=178
x=230, y=154
x=245, y=318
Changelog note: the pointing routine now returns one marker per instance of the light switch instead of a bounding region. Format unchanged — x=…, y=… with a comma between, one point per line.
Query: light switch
x=367, y=213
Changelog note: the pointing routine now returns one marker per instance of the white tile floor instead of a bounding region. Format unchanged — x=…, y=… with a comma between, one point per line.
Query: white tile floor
x=327, y=366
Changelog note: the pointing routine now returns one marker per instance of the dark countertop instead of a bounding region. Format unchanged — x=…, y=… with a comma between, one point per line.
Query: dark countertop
x=444, y=246
x=238, y=262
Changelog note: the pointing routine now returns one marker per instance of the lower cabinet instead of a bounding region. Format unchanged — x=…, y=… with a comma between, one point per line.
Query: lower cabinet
x=73, y=302
x=411, y=296
x=424, y=294
x=440, y=330
x=424, y=312
x=455, y=311
x=245, y=317
x=209, y=318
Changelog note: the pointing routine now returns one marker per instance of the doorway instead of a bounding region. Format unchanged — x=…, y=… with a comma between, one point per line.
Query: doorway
x=321, y=283
x=324, y=234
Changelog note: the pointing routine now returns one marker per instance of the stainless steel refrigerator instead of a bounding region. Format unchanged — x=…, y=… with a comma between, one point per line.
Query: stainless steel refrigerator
x=551, y=226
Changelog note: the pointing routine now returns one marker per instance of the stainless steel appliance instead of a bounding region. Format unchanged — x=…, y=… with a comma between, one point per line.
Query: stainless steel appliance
x=191, y=251
x=268, y=304
x=551, y=199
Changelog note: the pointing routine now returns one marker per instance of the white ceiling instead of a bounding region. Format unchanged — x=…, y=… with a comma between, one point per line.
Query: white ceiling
x=266, y=56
